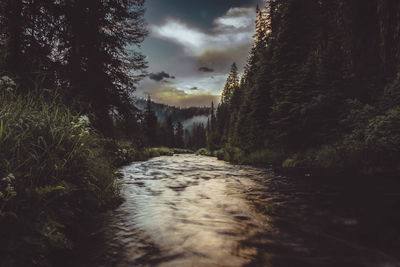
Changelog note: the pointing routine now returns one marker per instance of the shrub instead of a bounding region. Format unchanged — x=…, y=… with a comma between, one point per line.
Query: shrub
x=165, y=151
x=182, y=151
x=382, y=140
x=219, y=154
x=160, y=151
x=204, y=152
x=53, y=171
x=125, y=152
x=263, y=157
x=383, y=132
x=327, y=157
x=289, y=163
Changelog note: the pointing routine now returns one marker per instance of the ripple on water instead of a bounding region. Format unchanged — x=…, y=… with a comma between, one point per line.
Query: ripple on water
x=191, y=210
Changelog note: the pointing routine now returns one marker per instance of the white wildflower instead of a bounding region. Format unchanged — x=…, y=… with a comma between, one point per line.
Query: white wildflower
x=9, y=179
x=7, y=83
x=83, y=120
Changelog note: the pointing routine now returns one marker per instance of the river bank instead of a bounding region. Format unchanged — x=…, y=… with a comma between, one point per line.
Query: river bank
x=312, y=163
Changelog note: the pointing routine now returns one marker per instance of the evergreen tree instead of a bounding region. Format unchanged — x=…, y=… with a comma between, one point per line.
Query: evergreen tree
x=179, y=132
x=28, y=42
x=253, y=95
x=100, y=67
x=169, y=137
x=292, y=71
x=212, y=117
x=318, y=74
x=231, y=84
x=150, y=124
x=80, y=48
x=198, y=136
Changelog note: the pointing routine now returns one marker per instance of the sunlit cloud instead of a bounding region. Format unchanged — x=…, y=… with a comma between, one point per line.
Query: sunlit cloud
x=239, y=18
x=168, y=94
x=202, y=60
x=233, y=29
x=221, y=59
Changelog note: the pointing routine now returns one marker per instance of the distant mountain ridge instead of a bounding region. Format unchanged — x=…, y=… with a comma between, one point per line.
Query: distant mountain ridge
x=185, y=115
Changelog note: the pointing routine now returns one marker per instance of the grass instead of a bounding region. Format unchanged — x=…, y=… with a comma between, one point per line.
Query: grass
x=235, y=155
x=165, y=151
x=54, y=171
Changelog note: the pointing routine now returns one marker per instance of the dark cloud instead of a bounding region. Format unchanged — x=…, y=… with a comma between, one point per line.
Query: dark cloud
x=160, y=76
x=197, y=41
x=221, y=60
x=206, y=69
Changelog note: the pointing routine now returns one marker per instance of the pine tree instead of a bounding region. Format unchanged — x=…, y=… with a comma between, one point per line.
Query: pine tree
x=27, y=43
x=179, y=132
x=169, y=132
x=231, y=84
x=150, y=124
x=251, y=115
x=292, y=82
x=13, y=34
x=212, y=117
x=100, y=67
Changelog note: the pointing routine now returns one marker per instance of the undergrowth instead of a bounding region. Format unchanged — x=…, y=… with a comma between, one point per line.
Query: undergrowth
x=54, y=171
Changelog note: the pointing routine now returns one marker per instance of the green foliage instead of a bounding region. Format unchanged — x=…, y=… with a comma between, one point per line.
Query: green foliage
x=328, y=157
x=204, y=152
x=165, y=151
x=263, y=157
x=182, y=151
x=125, y=152
x=290, y=163
x=53, y=172
x=160, y=151
x=319, y=89
x=383, y=132
x=238, y=156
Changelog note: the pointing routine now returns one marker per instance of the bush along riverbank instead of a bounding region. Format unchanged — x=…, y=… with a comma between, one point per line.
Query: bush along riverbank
x=55, y=173
x=357, y=158
x=125, y=152
x=166, y=151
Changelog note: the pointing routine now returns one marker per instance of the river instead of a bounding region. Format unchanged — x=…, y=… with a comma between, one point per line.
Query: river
x=189, y=210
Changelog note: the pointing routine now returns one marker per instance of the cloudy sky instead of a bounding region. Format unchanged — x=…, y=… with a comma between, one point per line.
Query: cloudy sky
x=191, y=47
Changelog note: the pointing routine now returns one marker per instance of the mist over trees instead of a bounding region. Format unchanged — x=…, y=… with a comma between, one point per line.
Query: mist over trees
x=171, y=132
x=321, y=86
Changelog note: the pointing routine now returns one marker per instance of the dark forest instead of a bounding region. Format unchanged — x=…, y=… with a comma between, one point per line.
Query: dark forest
x=93, y=175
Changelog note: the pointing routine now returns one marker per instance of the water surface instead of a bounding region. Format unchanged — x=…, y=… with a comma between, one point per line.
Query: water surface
x=189, y=210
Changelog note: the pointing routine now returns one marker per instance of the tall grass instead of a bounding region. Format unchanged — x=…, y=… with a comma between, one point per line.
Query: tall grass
x=53, y=172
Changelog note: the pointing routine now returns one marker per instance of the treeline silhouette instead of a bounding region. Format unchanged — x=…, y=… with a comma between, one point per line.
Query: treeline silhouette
x=321, y=88
x=169, y=131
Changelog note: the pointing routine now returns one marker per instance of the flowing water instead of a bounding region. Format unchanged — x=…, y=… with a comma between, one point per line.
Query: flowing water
x=189, y=210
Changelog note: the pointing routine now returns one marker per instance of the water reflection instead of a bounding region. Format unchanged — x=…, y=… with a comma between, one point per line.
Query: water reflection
x=189, y=210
